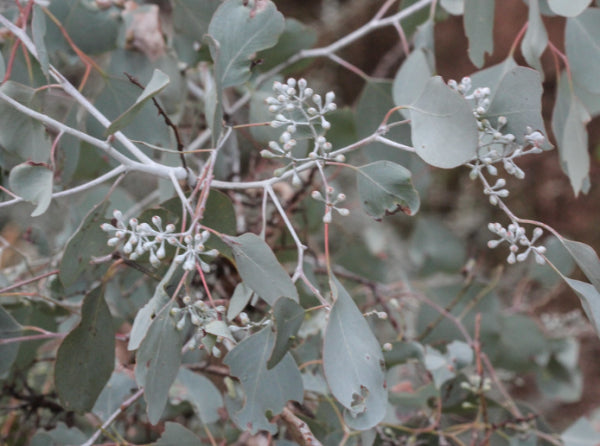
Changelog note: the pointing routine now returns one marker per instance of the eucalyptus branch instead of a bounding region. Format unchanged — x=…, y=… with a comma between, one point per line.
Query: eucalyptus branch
x=77, y=189
x=151, y=167
x=128, y=402
x=75, y=94
x=375, y=23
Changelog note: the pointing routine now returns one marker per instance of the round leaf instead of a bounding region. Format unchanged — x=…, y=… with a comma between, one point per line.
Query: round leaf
x=444, y=131
x=386, y=188
x=33, y=183
x=240, y=29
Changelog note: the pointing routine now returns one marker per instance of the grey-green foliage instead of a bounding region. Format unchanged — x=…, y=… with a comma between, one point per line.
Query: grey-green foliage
x=329, y=316
x=9, y=328
x=260, y=269
x=353, y=363
x=85, y=359
x=264, y=389
x=444, y=131
x=158, y=360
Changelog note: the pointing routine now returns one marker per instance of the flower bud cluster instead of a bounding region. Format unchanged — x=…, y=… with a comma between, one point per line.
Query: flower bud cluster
x=199, y=315
x=475, y=384
x=330, y=204
x=299, y=111
x=140, y=238
x=515, y=236
x=495, y=145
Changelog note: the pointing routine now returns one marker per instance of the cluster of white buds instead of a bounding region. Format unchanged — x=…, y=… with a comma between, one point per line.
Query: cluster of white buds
x=193, y=249
x=140, y=238
x=302, y=112
x=559, y=325
x=496, y=191
x=515, y=236
x=200, y=315
x=495, y=145
x=475, y=384
x=330, y=204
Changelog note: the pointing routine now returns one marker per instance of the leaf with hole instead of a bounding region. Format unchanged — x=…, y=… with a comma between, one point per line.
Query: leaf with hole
x=386, y=188
x=353, y=363
x=265, y=390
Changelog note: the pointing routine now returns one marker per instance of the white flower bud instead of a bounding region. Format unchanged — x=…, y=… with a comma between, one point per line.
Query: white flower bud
x=195, y=319
x=161, y=253
x=267, y=154
x=493, y=243
x=340, y=158
x=154, y=260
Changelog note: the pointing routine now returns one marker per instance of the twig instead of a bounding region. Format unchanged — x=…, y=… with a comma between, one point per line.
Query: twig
x=299, y=430
x=166, y=118
x=114, y=416
x=28, y=281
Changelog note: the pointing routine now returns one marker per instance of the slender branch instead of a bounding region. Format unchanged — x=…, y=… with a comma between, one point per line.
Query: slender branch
x=375, y=23
x=151, y=167
x=75, y=94
x=114, y=416
x=166, y=118
x=77, y=189
x=28, y=281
